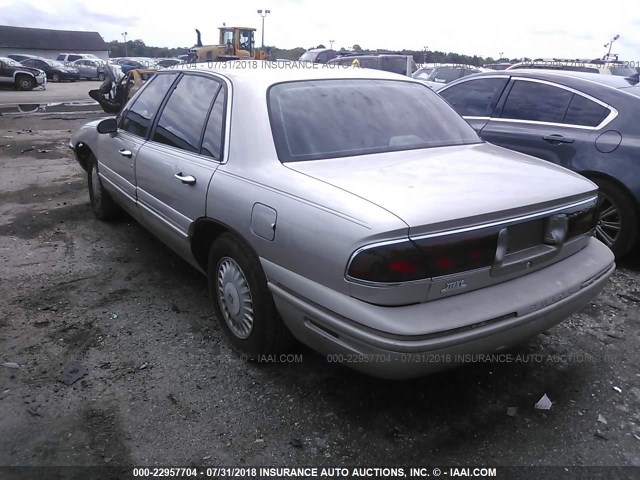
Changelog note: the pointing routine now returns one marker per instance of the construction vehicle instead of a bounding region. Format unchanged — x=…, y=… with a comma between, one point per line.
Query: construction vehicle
x=236, y=43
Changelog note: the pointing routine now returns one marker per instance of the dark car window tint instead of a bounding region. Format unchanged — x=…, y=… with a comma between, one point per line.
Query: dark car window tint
x=212, y=142
x=583, y=111
x=338, y=118
x=139, y=117
x=475, y=98
x=536, y=102
x=182, y=119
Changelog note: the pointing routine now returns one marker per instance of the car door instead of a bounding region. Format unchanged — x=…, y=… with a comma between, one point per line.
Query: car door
x=546, y=120
x=475, y=99
x=175, y=166
x=117, y=154
x=6, y=72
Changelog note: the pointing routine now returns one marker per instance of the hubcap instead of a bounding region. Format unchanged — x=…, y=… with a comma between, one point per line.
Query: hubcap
x=609, y=224
x=95, y=187
x=234, y=298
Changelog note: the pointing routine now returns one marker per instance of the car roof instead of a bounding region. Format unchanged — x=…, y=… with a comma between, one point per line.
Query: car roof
x=589, y=83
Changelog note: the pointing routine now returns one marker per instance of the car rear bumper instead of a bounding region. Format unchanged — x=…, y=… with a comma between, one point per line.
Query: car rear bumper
x=339, y=329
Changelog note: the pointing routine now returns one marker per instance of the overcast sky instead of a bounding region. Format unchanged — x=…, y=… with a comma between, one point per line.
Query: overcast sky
x=539, y=28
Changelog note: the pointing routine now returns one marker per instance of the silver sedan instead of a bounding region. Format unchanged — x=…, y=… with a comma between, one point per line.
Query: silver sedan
x=349, y=208
x=91, y=69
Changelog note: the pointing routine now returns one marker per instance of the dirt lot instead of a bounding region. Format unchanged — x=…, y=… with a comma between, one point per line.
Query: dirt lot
x=158, y=385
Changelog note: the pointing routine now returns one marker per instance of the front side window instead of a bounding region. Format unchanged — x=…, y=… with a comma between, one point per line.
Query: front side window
x=475, y=98
x=321, y=119
x=536, y=102
x=182, y=119
x=138, y=119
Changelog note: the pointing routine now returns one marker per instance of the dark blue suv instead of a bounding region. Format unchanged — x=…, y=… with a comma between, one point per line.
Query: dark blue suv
x=585, y=122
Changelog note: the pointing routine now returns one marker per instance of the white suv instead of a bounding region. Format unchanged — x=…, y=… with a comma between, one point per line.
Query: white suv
x=72, y=57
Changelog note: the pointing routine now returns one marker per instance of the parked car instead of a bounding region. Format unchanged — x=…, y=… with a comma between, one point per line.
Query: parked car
x=130, y=63
x=55, y=71
x=91, y=69
x=168, y=62
x=620, y=69
x=318, y=55
x=72, y=57
x=377, y=61
x=363, y=216
x=497, y=66
x=23, y=78
x=446, y=73
x=582, y=121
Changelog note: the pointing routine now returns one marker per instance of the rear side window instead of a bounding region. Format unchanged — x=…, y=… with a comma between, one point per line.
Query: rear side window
x=139, y=117
x=321, y=119
x=536, y=102
x=212, y=143
x=475, y=98
x=182, y=119
x=583, y=111
x=61, y=57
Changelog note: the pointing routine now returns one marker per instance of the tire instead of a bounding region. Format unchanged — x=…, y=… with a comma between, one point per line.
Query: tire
x=55, y=77
x=101, y=77
x=103, y=206
x=25, y=82
x=239, y=289
x=618, y=223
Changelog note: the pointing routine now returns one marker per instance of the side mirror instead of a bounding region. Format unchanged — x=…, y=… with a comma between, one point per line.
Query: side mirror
x=108, y=125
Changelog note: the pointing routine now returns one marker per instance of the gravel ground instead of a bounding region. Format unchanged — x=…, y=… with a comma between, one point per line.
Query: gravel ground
x=107, y=305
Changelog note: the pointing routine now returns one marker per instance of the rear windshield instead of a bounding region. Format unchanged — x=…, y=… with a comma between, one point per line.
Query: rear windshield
x=320, y=119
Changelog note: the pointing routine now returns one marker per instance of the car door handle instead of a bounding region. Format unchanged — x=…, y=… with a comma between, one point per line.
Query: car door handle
x=125, y=153
x=186, y=179
x=557, y=138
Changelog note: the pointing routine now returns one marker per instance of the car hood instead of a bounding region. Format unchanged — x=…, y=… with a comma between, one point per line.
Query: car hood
x=449, y=187
x=35, y=71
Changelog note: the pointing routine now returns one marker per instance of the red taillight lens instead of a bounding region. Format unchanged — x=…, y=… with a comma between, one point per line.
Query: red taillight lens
x=415, y=260
x=396, y=262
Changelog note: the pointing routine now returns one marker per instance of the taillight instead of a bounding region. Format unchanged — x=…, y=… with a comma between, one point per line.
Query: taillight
x=409, y=260
x=391, y=263
x=460, y=253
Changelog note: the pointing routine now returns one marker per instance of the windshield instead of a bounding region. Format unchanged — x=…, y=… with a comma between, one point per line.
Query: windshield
x=623, y=71
x=321, y=119
x=8, y=61
x=308, y=57
x=445, y=74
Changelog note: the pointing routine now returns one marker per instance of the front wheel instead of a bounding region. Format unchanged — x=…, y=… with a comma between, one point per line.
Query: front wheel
x=103, y=206
x=24, y=82
x=242, y=301
x=617, y=224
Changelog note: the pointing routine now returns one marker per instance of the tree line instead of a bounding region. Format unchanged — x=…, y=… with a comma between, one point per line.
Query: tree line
x=137, y=48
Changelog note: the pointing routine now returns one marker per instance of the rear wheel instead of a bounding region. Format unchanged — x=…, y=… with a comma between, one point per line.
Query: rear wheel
x=101, y=77
x=55, y=77
x=242, y=301
x=617, y=225
x=103, y=206
x=25, y=82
